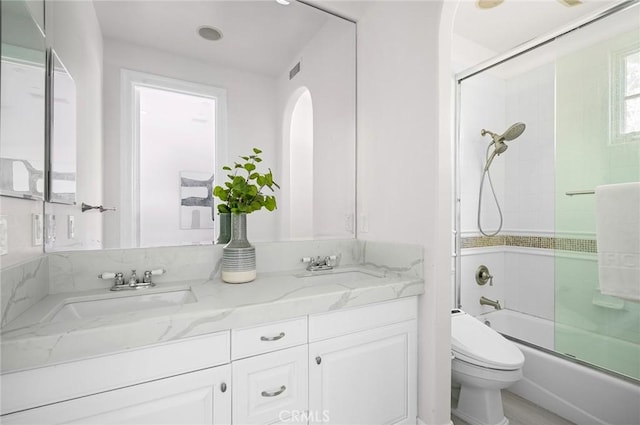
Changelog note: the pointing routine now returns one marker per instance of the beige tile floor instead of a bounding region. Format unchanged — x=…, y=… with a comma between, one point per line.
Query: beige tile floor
x=522, y=412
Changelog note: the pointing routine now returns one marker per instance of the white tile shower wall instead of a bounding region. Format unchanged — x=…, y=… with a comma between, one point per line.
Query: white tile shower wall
x=23, y=285
x=531, y=277
x=493, y=258
x=483, y=106
x=524, y=178
x=529, y=185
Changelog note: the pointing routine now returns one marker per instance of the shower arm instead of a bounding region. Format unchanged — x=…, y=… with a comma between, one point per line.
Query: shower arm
x=493, y=135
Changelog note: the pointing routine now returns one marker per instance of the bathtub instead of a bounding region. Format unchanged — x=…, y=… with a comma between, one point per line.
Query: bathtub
x=580, y=394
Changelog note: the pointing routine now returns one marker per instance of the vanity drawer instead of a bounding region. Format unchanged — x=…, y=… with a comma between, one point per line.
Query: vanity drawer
x=269, y=387
x=273, y=336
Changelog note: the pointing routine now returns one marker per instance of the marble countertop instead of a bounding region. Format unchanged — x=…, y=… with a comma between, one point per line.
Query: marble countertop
x=32, y=340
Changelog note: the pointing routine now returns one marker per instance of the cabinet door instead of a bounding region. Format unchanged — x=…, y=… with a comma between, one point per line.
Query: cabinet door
x=193, y=398
x=365, y=378
x=271, y=387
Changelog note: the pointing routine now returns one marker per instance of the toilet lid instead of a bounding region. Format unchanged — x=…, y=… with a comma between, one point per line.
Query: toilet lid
x=476, y=343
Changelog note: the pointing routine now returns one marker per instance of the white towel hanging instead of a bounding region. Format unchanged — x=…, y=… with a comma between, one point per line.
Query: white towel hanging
x=618, y=238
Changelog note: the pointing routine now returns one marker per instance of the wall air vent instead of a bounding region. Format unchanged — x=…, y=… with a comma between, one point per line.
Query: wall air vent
x=294, y=71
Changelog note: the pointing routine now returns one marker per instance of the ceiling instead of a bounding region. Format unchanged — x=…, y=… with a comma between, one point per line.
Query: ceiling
x=263, y=36
x=514, y=22
x=259, y=36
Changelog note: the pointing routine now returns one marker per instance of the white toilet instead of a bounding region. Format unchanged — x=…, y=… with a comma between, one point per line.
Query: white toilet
x=484, y=362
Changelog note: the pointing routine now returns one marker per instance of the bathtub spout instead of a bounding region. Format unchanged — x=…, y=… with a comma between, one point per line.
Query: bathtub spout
x=486, y=301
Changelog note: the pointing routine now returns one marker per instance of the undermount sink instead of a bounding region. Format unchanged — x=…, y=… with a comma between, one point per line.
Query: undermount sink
x=338, y=276
x=121, y=304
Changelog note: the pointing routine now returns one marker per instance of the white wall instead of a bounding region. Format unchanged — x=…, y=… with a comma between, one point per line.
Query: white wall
x=328, y=72
x=18, y=213
x=74, y=31
x=300, y=180
x=251, y=119
x=404, y=184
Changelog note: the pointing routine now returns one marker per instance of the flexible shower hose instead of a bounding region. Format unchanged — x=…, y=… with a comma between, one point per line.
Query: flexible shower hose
x=486, y=174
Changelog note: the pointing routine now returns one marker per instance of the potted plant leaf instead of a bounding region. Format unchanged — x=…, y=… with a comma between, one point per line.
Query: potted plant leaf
x=242, y=194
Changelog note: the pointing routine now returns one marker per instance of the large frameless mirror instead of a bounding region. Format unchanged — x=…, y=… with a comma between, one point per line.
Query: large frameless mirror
x=188, y=87
x=22, y=113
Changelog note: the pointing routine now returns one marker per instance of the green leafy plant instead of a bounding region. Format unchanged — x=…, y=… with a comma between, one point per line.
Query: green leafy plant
x=243, y=192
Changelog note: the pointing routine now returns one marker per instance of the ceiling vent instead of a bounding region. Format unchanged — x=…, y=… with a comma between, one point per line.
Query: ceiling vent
x=294, y=71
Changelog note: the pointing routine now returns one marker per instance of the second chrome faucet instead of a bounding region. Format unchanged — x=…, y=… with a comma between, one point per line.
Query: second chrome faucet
x=133, y=282
x=320, y=263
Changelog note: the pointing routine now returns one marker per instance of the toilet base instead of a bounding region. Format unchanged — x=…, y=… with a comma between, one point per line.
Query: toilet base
x=480, y=406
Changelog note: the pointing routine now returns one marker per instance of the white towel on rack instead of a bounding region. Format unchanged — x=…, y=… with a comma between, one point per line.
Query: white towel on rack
x=618, y=238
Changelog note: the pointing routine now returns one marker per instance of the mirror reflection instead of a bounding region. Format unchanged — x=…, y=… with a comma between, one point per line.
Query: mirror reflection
x=62, y=143
x=22, y=112
x=188, y=87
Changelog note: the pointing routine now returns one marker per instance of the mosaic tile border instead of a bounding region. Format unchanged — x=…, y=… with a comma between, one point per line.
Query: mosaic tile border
x=539, y=242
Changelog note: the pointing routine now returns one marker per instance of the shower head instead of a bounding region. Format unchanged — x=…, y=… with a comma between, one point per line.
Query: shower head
x=498, y=141
x=514, y=131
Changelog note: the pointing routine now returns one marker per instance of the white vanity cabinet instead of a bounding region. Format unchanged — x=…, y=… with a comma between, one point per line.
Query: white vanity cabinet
x=361, y=369
x=192, y=398
x=350, y=366
x=185, y=381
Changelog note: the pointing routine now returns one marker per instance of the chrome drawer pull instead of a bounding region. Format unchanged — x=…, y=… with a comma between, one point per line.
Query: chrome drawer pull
x=272, y=338
x=273, y=393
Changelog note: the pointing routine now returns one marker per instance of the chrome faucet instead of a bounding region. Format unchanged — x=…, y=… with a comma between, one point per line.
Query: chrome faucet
x=486, y=301
x=133, y=279
x=319, y=263
x=119, y=283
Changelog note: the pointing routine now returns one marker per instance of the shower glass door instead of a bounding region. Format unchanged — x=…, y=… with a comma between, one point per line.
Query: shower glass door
x=579, y=97
x=597, y=103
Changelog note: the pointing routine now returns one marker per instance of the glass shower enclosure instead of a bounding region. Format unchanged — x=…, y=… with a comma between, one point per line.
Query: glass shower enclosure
x=565, y=194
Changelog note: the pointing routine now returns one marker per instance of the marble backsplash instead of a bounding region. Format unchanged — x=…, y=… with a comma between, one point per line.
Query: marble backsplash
x=25, y=284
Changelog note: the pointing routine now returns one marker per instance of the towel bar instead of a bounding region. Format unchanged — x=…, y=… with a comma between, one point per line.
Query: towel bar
x=580, y=192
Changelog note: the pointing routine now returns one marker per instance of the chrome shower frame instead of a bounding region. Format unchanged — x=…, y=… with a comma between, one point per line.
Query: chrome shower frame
x=483, y=66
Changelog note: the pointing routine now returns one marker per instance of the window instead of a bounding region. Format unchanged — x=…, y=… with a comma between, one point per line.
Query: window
x=626, y=95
